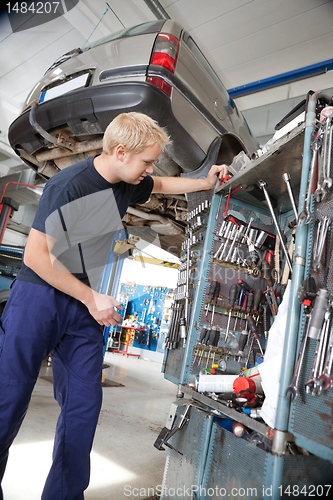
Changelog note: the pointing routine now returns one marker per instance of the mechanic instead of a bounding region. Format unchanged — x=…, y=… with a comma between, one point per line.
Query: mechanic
x=55, y=306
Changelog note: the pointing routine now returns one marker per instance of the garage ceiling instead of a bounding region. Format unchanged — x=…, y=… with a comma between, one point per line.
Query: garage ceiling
x=244, y=40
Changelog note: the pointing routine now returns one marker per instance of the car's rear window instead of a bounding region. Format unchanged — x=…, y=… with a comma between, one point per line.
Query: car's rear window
x=201, y=58
x=141, y=29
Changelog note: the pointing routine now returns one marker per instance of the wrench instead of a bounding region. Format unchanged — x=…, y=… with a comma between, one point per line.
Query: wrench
x=286, y=178
x=292, y=389
x=324, y=163
x=314, y=147
x=320, y=242
x=327, y=184
x=312, y=384
x=325, y=379
x=320, y=371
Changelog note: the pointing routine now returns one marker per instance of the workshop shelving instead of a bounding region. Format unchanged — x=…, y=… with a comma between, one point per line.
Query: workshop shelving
x=295, y=457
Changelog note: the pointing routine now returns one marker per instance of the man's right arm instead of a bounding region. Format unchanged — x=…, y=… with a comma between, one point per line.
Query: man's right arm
x=38, y=257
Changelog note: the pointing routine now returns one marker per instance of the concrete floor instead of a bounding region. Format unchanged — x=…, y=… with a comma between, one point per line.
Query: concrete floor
x=124, y=462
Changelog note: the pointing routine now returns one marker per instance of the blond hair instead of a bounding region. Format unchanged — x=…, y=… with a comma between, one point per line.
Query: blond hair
x=135, y=131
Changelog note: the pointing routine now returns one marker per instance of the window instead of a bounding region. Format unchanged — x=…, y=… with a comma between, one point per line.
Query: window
x=141, y=29
x=203, y=61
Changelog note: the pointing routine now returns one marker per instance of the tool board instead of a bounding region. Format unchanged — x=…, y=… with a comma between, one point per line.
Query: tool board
x=306, y=422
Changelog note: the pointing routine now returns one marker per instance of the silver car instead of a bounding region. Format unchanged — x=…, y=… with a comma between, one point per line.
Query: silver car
x=155, y=68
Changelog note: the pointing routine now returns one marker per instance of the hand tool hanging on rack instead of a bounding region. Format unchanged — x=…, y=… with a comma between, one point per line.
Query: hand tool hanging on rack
x=214, y=291
x=212, y=341
x=267, y=272
x=239, y=304
x=286, y=271
x=263, y=186
x=322, y=229
x=326, y=378
x=225, y=233
x=312, y=385
x=324, y=163
x=256, y=302
x=177, y=311
x=232, y=299
x=306, y=296
x=254, y=331
x=286, y=178
x=237, y=238
x=245, y=299
x=266, y=318
x=317, y=137
x=324, y=344
x=242, y=341
x=229, y=238
x=242, y=238
x=318, y=313
x=233, y=231
x=183, y=331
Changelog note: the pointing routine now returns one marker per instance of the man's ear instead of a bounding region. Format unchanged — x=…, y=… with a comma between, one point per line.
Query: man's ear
x=120, y=152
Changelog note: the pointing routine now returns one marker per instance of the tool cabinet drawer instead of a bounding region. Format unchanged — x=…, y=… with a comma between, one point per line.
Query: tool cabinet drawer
x=185, y=463
x=238, y=469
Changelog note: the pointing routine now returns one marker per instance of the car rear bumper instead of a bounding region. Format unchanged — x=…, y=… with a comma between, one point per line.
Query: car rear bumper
x=88, y=112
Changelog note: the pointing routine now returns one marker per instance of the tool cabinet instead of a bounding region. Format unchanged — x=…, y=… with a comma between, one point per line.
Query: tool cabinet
x=295, y=457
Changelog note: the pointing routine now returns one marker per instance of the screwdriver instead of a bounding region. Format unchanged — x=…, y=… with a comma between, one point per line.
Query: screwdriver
x=253, y=330
x=214, y=291
x=257, y=300
x=212, y=341
x=265, y=319
x=232, y=299
x=204, y=335
x=248, y=304
x=267, y=271
x=243, y=338
x=244, y=285
x=250, y=301
x=240, y=301
x=214, y=335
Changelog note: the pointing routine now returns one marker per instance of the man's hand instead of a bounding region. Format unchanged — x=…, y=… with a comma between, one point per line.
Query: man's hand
x=216, y=171
x=181, y=185
x=102, y=308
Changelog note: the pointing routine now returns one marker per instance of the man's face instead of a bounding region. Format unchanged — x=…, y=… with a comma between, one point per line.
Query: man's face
x=136, y=166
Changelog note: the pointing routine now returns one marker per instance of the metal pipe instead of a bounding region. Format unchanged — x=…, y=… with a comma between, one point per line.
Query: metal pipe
x=17, y=184
x=157, y=9
x=286, y=178
x=41, y=131
x=23, y=154
x=80, y=147
x=145, y=215
x=262, y=185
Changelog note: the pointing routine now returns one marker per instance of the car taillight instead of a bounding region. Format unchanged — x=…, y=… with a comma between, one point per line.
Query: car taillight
x=161, y=84
x=165, y=51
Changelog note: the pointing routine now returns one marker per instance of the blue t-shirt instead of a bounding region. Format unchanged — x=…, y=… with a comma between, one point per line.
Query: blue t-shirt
x=81, y=211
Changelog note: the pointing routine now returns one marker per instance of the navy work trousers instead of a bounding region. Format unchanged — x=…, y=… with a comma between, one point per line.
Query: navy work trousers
x=38, y=320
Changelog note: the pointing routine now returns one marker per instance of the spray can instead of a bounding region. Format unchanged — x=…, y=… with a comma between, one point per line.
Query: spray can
x=215, y=383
